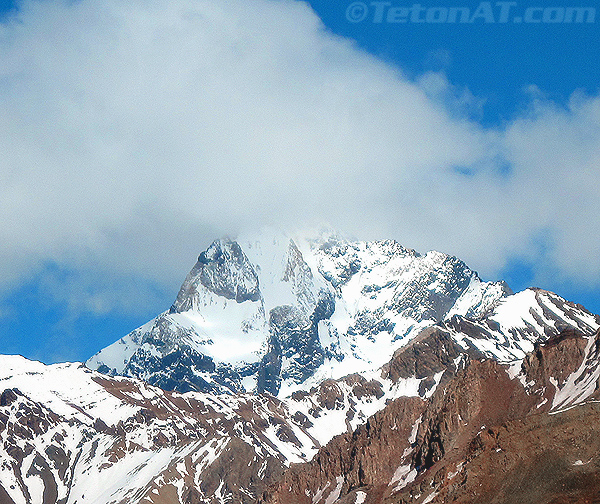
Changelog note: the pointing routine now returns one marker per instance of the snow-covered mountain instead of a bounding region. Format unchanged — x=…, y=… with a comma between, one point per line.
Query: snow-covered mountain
x=437, y=411
x=382, y=365
x=70, y=435
x=279, y=313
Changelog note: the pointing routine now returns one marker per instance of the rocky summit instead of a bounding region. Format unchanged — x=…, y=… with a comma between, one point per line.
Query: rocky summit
x=278, y=313
x=317, y=370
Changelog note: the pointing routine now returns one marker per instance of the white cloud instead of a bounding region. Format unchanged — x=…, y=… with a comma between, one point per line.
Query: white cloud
x=133, y=133
x=556, y=154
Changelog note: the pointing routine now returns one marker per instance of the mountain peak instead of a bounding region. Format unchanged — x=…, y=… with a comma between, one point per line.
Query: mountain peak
x=276, y=312
x=223, y=270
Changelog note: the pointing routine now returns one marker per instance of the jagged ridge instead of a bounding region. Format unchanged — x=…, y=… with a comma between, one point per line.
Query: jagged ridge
x=278, y=314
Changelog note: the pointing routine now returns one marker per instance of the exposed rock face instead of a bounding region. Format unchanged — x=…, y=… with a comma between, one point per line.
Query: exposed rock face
x=557, y=358
x=362, y=458
x=186, y=369
x=222, y=269
x=433, y=351
x=295, y=350
x=542, y=458
x=484, y=436
x=481, y=395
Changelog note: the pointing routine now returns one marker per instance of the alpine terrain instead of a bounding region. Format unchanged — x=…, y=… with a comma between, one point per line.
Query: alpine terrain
x=277, y=314
x=318, y=370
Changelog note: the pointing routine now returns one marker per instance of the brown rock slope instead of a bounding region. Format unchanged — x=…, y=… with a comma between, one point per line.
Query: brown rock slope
x=488, y=435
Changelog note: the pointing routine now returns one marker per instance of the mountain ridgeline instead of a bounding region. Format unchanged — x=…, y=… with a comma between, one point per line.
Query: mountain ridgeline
x=277, y=314
x=295, y=370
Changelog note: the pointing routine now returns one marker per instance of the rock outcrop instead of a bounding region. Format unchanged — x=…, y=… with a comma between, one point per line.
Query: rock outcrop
x=489, y=434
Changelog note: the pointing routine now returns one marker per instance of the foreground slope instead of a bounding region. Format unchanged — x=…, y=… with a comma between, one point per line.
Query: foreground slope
x=493, y=433
x=71, y=435
x=68, y=434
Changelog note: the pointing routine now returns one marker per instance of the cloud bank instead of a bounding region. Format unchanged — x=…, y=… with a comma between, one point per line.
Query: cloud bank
x=132, y=134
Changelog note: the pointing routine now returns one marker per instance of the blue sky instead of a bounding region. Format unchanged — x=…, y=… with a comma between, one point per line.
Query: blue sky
x=135, y=134
x=496, y=61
